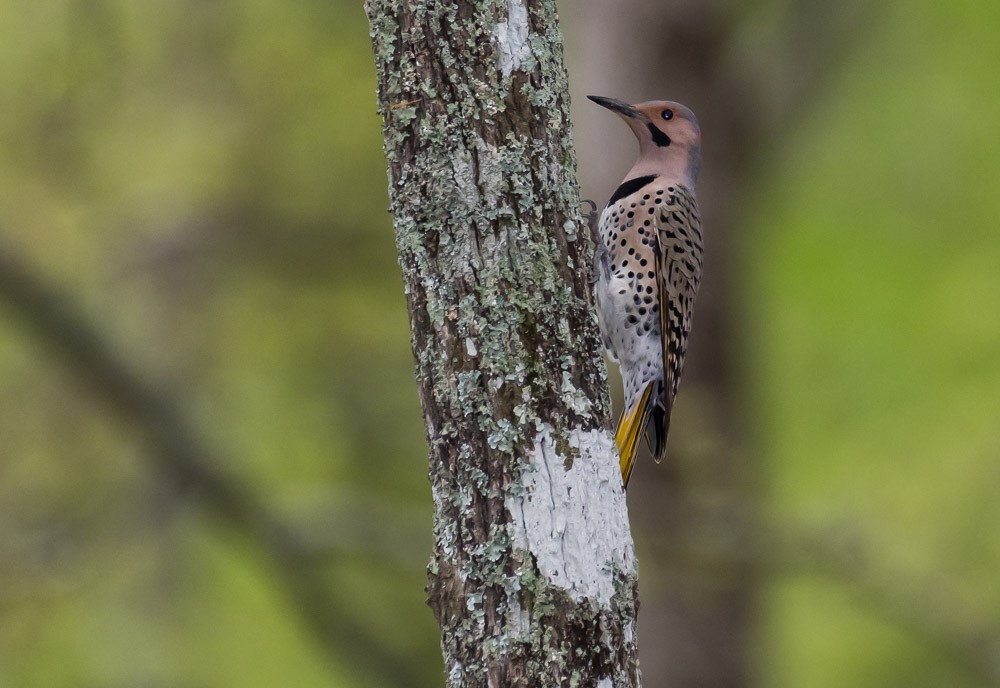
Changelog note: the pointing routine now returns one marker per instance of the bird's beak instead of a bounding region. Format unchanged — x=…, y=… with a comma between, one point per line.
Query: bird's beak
x=621, y=107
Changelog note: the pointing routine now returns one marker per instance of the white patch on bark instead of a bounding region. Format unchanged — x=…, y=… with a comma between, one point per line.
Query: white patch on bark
x=605, y=683
x=573, y=397
x=629, y=633
x=571, y=515
x=511, y=37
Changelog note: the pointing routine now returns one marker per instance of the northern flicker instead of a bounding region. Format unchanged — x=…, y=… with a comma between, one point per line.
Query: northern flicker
x=648, y=267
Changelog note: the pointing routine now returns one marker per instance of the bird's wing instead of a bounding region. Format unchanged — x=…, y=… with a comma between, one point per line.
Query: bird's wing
x=678, y=274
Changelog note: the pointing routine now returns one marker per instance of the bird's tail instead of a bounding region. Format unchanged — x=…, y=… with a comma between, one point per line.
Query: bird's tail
x=659, y=423
x=630, y=429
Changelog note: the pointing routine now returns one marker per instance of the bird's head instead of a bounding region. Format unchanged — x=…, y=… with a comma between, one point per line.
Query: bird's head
x=668, y=133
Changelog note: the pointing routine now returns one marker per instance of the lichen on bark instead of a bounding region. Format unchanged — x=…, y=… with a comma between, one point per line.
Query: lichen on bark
x=533, y=577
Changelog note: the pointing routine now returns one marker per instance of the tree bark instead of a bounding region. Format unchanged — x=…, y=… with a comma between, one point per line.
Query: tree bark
x=533, y=577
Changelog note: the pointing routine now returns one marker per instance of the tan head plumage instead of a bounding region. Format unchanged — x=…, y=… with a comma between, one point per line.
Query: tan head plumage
x=668, y=134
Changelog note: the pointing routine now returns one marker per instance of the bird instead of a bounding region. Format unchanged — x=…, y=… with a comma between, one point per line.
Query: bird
x=647, y=269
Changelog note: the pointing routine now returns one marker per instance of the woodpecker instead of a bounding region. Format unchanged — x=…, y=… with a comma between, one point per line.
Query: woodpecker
x=648, y=268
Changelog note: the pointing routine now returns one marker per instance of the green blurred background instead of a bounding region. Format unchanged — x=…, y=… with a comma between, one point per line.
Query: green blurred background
x=200, y=186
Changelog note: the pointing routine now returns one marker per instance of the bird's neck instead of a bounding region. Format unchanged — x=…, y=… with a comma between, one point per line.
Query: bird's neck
x=673, y=167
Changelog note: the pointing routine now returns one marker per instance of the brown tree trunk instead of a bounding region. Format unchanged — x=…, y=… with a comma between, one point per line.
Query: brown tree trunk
x=533, y=577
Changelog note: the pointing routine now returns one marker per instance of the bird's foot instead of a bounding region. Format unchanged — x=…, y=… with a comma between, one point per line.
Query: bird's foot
x=592, y=216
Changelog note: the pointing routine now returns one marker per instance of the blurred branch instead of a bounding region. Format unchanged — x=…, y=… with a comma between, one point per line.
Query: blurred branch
x=331, y=523
x=187, y=250
x=181, y=456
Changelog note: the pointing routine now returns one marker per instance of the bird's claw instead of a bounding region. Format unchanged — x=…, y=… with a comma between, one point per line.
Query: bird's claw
x=591, y=216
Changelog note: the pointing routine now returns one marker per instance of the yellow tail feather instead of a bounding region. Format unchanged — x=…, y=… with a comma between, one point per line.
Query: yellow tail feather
x=630, y=429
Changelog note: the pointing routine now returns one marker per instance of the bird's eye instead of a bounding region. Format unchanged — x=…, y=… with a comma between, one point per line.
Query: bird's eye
x=667, y=114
